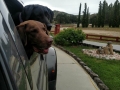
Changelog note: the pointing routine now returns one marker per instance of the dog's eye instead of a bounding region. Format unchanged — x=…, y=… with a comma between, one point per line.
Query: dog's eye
x=44, y=29
x=34, y=30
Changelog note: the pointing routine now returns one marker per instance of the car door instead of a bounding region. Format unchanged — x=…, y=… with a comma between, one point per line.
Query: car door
x=41, y=82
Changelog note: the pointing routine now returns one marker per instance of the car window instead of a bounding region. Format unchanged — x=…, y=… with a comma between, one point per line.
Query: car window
x=40, y=78
x=15, y=37
x=11, y=57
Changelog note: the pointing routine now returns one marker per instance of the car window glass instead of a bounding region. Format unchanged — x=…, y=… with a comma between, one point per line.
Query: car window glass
x=13, y=32
x=20, y=49
x=5, y=11
x=12, y=57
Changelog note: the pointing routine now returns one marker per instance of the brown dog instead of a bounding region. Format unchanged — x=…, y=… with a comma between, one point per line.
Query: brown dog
x=34, y=37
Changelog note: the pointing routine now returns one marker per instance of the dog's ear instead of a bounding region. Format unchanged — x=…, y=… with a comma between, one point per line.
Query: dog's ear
x=22, y=32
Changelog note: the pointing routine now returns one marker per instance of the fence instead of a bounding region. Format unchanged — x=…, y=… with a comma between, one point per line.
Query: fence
x=92, y=36
x=102, y=37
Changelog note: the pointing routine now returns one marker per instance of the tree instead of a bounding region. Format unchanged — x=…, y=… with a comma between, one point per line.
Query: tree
x=79, y=16
x=116, y=12
x=84, y=16
x=64, y=18
x=115, y=21
x=60, y=18
x=110, y=13
x=100, y=14
x=73, y=19
x=103, y=13
x=87, y=18
x=93, y=20
x=106, y=20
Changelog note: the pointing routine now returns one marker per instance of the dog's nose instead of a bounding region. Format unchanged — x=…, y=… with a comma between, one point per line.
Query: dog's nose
x=50, y=40
x=49, y=26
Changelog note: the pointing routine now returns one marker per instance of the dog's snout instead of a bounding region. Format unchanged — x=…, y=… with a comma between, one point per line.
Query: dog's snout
x=50, y=40
x=49, y=26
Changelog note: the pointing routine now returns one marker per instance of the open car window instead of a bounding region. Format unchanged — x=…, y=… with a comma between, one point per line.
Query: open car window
x=14, y=52
x=11, y=58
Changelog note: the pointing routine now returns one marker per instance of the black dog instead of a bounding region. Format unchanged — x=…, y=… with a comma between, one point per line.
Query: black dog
x=35, y=12
x=29, y=12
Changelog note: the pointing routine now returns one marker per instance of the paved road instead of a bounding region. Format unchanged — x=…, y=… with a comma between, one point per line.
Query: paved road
x=70, y=75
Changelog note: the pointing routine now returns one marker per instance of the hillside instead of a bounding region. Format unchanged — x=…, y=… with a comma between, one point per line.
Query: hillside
x=58, y=12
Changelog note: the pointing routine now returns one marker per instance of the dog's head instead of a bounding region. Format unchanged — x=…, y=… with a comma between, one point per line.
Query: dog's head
x=34, y=34
x=39, y=13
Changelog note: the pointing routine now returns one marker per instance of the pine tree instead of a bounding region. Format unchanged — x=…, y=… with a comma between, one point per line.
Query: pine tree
x=103, y=13
x=100, y=14
x=79, y=16
x=110, y=11
x=87, y=18
x=84, y=16
x=106, y=22
x=116, y=14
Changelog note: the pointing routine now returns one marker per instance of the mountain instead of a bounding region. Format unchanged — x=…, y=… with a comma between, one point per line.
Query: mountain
x=60, y=12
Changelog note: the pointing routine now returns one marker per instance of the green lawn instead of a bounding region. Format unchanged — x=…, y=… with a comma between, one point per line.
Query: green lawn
x=108, y=70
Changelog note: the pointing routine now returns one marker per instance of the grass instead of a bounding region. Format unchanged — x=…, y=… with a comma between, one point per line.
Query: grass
x=108, y=70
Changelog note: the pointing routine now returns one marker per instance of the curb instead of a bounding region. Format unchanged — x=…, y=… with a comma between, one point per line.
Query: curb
x=93, y=75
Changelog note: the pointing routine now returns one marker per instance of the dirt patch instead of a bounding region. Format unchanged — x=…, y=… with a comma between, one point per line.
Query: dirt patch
x=103, y=32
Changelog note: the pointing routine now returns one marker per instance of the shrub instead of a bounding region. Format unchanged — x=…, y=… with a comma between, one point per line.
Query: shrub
x=69, y=36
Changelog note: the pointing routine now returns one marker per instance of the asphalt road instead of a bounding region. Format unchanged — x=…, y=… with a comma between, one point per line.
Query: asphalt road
x=70, y=75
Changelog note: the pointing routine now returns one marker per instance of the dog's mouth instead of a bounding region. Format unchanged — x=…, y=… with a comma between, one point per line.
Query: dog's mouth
x=41, y=50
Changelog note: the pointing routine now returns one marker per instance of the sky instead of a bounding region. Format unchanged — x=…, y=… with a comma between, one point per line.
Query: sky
x=69, y=6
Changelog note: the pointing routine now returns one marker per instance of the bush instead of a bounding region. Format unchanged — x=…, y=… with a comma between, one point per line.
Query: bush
x=69, y=37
